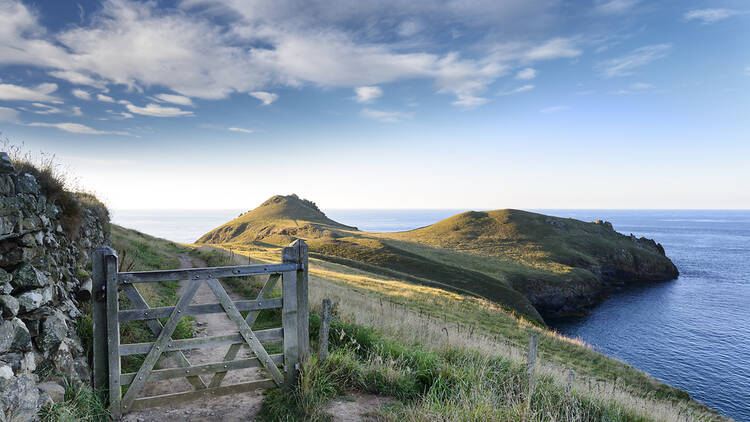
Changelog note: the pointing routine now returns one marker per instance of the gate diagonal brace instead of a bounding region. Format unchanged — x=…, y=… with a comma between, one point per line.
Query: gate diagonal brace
x=159, y=345
x=250, y=320
x=245, y=331
x=155, y=326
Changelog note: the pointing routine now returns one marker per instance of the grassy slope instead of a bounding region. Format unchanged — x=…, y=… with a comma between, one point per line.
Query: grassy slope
x=444, y=331
x=510, y=257
x=421, y=318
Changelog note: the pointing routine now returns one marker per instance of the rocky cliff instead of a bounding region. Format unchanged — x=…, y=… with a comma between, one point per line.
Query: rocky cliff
x=46, y=238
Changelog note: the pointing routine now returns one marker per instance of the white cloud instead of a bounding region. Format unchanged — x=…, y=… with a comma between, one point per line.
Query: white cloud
x=10, y=92
x=709, y=16
x=615, y=7
x=526, y=74
x=156, y=110
x=9, y=115
x=520, y=89
x=627, y=64
x=44, y=109
x=176, y=99
x=469, y=101
x=120, y=115
x=187, y=50
x=105, y=98
x=79, y=128
x=265, y=97
x=239, y=129
x=386, y=116
x=554, y=109
x=556, y=48
x=78, y=78
x=365, y=94
x=76, y=111
x=81, y=94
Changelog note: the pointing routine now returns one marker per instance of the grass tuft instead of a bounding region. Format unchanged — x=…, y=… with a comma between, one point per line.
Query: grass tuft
x=80, y=404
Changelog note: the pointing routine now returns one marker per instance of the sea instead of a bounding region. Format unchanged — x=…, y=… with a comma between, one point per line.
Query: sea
x=692, y=333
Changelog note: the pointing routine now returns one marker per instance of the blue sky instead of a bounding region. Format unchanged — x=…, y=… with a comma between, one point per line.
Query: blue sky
x=425, y=104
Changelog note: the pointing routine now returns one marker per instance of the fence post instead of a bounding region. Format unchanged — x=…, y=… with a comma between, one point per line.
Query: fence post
x=290, y=255
x=303, y=310
x=113, y=332
x=571, y=381
x=530, y=365
x=99, y=316
x=325, y=323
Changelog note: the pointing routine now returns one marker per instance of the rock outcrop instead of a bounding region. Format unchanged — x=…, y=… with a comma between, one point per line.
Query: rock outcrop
x=46, y=237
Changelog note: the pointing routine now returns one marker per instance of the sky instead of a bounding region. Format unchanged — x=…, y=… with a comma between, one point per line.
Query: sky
x=207, y=104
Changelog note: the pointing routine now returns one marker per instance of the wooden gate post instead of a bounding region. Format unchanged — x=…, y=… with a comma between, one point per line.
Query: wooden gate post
x=99, y=316
x=295, y=315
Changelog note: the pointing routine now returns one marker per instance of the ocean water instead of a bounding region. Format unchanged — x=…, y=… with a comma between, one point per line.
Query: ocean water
x=692, y=333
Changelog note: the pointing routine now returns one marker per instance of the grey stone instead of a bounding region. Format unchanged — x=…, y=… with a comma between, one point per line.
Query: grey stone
x=54, y=331
x=5, y=278
x=6, y=372
x=20, y=362
x=27, y=277
x=19, y=398
x=33, y=299
x=14, y=336
x=6, y=166
x=54, y=390
x=8, y=306
x=26, y=183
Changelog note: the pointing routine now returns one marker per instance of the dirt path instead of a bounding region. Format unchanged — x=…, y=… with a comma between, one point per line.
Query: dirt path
x=236, y=407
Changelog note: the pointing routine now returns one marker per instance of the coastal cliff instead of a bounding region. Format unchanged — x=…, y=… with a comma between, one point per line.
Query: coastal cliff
x=533, y=264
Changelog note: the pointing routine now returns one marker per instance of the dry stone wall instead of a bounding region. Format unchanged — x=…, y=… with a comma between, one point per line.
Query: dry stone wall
x=44, y=285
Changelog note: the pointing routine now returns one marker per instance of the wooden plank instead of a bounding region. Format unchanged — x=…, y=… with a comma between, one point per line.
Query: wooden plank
x=289, y=315
x=208, y=308
x=99, y=315
x=325, y=325
x=250, y=319
x=155, y=326
x=270, y=335
x=113, y=334
x=245, y=330
x=159, y=345
x=208, y=368
x=202, y=273
x=169, y=399
x=303, y=310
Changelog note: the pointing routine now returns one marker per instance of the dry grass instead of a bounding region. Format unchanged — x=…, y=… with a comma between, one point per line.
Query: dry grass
x=440, y=320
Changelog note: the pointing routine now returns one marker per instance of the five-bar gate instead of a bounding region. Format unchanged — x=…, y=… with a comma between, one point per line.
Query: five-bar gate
x=108, y=282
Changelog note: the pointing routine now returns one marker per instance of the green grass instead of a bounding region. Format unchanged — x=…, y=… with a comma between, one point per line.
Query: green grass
x=529, y=263
x=247, y=287
x=452, y=384
x=140, y=252
x=80, y=404
x=401, y=358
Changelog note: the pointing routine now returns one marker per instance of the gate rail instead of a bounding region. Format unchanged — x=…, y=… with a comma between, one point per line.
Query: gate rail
x=107, y=316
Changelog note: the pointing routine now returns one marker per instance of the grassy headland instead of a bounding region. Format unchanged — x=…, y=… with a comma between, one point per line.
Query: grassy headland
x=531, y=264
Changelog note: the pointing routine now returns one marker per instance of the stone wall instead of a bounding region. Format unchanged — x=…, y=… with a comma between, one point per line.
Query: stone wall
x=44, y=283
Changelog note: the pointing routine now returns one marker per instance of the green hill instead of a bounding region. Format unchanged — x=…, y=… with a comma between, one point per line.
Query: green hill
x=529, y=263
x=274, y=221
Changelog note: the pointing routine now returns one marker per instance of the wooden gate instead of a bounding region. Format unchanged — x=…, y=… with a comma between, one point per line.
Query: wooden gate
x=108, y=282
